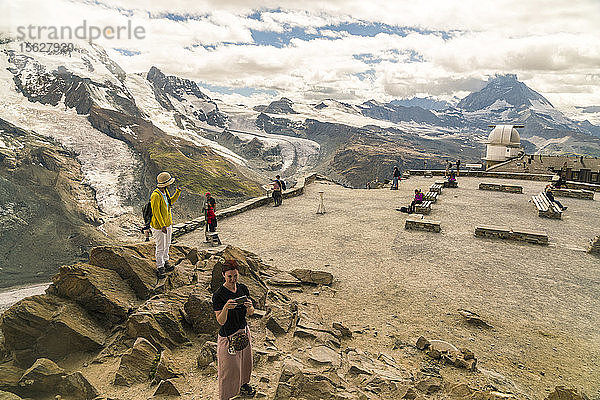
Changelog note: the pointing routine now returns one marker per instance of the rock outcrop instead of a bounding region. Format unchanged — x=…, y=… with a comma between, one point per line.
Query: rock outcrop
x=49, y=326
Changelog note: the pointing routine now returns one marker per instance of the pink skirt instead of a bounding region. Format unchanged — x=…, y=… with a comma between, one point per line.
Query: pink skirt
x=233, y=370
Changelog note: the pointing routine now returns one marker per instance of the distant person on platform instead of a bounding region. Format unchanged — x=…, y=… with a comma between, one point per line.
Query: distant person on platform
x=457, y=167
x=550, y=197
x=209, y=213
x=395, y=178
x=452, y=176
x=278, y=187
x=162, y=221
x=448, y=167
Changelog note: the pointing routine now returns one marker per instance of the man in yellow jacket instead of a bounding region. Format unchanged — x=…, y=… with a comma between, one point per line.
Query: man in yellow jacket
x=162, y=221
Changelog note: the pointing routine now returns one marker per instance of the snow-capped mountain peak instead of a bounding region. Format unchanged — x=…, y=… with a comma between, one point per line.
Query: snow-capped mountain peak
x=505, y=88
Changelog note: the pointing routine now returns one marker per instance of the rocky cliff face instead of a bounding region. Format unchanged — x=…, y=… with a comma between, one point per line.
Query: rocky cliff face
x=48, y=215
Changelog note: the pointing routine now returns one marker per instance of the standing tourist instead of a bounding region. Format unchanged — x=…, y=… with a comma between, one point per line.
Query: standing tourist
x=209, y=213
x=396, y=177
x=162, y=221
x=232, y=303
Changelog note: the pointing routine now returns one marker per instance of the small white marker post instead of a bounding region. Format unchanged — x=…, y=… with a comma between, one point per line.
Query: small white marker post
x=321, y=209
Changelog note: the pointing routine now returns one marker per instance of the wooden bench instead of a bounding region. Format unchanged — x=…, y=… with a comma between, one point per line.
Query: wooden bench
x=574, y=193
x=436, y=188
x=422, y=224
x=430, y=196
x=423, y=208
x=545, y=207
x=500, y=187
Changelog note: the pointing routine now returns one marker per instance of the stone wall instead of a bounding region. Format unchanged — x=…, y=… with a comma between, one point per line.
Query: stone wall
x=574, y=193
x=500, y=187
x=503, y=232
x=297, y=190
x=422, y=224
x=486, y=174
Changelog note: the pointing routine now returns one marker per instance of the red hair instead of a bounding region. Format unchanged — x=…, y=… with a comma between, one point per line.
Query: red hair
x=230, y=265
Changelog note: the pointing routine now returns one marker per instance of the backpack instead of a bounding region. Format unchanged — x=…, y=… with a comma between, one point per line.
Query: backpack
x=147, y=214
x=282, y=184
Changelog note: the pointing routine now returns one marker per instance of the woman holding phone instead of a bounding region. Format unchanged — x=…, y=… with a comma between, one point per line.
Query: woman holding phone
x=232, y=303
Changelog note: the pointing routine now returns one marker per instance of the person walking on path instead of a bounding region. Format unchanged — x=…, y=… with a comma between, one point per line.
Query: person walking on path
x=210, y=217
x=162, y=221
x=277, y=188
x=396, y=177
x=231, y=304
x=458, y=167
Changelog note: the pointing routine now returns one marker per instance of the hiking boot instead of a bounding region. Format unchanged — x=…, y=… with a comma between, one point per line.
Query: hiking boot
x=247, y=390
x=168, y=267
x=160, y=273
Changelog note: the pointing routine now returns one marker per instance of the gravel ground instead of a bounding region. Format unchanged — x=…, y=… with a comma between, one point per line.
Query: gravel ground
x=542, y=301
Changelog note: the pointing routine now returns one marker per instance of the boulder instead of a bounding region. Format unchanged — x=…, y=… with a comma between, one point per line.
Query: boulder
x=51, y=327
x=147, y=250
x=75, y=386
x=491, y=395
x=294, y=382
x=171, y=387
x=564, y=393
x=100, y=291
x=282, y=278
x=312, y=277
x=10, y=376
x=199, y=311
x=43, y=376
x=248, y=262
x=8, y=396
x=184, y=274
x=166, y=368
x=159, y=319
x=344, y=331
x=138, y=272
x=280, y=319
x=137, y=364
x=422, y=343
x=430, y=384
x=207, y=355
x=323, y=355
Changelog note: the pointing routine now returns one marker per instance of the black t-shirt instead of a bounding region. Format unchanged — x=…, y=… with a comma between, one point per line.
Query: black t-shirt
x=236, y=318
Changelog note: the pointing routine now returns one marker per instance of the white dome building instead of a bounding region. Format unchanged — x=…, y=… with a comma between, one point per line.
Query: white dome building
x=503, y=144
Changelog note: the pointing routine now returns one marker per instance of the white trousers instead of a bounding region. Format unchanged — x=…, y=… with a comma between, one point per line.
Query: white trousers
x=163, y=242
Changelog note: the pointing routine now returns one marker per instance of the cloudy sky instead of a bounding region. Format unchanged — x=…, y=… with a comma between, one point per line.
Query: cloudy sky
x=248, y=51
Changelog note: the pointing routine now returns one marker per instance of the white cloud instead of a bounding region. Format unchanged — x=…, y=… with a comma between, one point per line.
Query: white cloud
x=552, y=44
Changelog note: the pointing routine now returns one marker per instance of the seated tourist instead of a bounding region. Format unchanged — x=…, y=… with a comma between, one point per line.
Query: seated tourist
x=452, y=176
x=550, y=197
x=418, y=199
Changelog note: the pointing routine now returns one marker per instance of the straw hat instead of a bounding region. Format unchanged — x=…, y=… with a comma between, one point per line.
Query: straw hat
x=164, y=179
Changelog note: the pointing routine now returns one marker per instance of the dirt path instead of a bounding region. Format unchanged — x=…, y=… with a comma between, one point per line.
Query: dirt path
x=543, y=302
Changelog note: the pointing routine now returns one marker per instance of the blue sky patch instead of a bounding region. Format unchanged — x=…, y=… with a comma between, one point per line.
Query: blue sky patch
x=243, y=91
x=127, y=52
